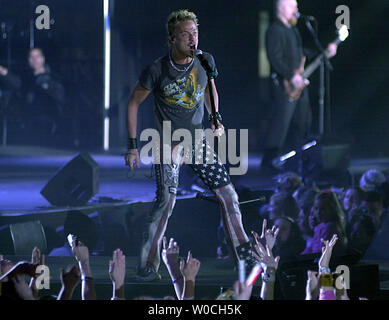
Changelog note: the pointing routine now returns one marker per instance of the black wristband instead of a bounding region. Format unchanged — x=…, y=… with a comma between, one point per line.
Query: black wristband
x=217, y=116
x=132, y=143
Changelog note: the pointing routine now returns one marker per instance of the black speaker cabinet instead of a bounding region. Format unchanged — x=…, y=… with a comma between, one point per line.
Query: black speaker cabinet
x=75, y=183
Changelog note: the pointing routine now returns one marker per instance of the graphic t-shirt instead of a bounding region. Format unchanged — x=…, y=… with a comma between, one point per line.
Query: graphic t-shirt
x=179, y=95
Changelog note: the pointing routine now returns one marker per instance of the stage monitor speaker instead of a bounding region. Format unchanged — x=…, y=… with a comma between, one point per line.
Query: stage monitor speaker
x=323, y=157
x=325, y=163
x=26, y=236
x=75, y=183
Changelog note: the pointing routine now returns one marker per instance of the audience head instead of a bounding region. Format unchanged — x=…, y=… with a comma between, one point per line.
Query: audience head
x=283, y=204
x=352, y=198
x=36, y=59
x=373, y=205
x=288, y=182
x=305, y=197
x=372, y=180
x=326, y=208
x=289, y=242
x=289, y=231
x=285, y=225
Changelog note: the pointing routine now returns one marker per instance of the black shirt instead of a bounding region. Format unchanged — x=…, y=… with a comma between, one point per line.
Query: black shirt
x=179, y=96
x=284, y=49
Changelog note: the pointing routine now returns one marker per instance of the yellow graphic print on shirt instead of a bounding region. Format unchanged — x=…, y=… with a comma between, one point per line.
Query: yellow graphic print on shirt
x=184, y=92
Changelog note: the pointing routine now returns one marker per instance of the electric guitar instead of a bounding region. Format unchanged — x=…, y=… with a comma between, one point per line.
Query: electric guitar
x=295, y=92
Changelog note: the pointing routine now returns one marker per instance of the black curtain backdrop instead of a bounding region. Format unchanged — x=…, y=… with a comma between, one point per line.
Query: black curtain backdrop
x=229, y=30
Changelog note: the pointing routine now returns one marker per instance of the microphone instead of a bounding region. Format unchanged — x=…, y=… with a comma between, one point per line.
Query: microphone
x=302, y=16
x=199, y=54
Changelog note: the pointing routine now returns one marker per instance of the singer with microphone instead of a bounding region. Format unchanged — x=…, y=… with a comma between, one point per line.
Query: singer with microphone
x=290, y=119
x=182, y=82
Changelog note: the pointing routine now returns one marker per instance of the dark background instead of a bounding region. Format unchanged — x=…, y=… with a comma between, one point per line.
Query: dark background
x=229, y=30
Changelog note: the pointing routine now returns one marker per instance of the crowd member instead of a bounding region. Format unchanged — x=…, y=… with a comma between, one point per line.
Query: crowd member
x=290, y=242
x=324, y=284
x=170, y=256
x=78, y=224
x=13, y=283
x=117, y=273
x=372, y=180
x=268, y=236
x=70, y=278
x=320, y=285
x=305, y=197
x=373, y=205
x=288, y=182
x=360, y=231
x=37, y=258
x=326, y=219
x=282, y=204
x=41, y=95
x=265, y=259
x=352, y=199
x=375, y=180
x=182, y=273
x=81, y=253
x=269, y=264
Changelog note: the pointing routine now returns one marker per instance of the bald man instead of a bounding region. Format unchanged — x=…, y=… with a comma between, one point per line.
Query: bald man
x=290, y=119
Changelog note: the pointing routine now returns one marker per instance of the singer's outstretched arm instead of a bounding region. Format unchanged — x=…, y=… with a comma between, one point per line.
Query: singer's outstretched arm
x=137, y=97
x=208, y=99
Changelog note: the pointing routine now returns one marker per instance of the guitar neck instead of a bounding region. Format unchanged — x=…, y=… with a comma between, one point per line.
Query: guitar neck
x=312, y=66
x=315, y=64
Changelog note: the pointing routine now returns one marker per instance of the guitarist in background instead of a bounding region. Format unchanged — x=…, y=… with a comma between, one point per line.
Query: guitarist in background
x=290, y=117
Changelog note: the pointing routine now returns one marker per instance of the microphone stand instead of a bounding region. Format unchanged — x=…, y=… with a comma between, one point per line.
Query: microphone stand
x=324, y=89
x=210, y=75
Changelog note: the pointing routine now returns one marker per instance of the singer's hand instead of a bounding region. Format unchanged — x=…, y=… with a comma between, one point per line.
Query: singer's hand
x=220, y=129
x=131, y=157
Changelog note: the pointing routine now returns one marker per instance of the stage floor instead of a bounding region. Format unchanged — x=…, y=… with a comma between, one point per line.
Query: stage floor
x=24, y=171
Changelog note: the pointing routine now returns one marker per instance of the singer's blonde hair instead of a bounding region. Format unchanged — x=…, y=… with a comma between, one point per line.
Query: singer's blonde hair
x=179, y=16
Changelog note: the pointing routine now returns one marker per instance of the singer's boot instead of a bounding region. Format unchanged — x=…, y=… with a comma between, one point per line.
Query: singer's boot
x=232, y=221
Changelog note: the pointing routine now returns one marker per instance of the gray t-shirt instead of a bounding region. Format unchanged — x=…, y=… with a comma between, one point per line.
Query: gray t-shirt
x=179, y=96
